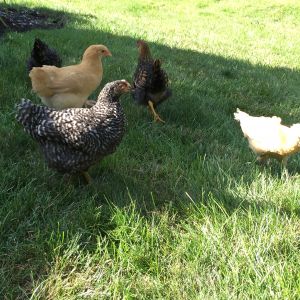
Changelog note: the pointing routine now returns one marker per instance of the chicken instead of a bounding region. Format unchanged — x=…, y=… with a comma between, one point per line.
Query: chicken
x=74, y=139
x=70, y=86
x=41, y=55
x=150, y=81
x=267, y=137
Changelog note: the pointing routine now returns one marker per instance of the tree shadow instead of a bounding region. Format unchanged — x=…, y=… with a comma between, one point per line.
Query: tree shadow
x=207, y=89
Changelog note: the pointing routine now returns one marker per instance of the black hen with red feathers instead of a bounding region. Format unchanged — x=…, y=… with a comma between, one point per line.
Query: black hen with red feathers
x=150, y=81
x=42, y=54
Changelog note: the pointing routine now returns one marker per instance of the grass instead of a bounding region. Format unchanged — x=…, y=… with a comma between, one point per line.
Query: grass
x=180, y=211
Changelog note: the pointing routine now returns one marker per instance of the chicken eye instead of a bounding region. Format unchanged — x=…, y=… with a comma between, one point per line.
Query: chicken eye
x=103, y=51
x=122, y=86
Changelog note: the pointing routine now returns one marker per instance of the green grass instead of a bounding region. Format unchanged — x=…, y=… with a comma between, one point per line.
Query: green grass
x=180, y=211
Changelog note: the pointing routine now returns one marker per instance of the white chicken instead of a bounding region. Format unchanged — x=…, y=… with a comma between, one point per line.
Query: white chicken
x=267, y=137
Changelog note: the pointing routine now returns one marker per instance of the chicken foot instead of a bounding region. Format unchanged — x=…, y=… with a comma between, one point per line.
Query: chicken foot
x=157, y=118
x=263, y=159
x=68, y=178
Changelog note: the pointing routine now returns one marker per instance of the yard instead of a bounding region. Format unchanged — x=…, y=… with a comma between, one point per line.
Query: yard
x=180, y=210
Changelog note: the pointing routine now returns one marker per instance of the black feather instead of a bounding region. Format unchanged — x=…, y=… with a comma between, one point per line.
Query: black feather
x=150, y=81
x=42, y=54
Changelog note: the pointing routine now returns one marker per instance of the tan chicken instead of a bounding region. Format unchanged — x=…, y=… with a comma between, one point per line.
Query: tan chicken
x=70, y=86
x=267, y=137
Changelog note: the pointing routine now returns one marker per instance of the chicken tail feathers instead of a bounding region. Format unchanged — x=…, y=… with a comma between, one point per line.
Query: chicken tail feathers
x=160, y=79
x=156, y=65
x=238, y=115
x=29, y=115
x=24, y=111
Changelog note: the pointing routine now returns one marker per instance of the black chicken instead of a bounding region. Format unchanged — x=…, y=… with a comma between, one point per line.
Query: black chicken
x=74, y=139
x=150, y=82
x=41, y=55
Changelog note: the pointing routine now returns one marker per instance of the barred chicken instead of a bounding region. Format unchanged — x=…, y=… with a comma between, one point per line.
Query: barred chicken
x=150, y=81
x=70, y=86
x=42, y=54
x=74, y=139
x=267, y=137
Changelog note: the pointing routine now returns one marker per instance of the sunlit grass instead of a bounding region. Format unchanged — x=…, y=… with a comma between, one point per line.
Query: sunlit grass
x=181, y=210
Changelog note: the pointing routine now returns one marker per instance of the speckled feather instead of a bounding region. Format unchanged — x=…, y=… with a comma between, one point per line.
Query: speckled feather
x=74, y=139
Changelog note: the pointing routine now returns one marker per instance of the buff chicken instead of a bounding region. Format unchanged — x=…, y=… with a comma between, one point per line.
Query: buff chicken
x=70, y=86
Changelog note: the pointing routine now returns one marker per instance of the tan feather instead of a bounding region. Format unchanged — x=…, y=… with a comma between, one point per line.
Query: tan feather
x=70, y=86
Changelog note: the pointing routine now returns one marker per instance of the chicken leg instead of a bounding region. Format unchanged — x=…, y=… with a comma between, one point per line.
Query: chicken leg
x=157, y=118
x=262, y=159
x=284, y=166
x=284, y=162
x=87, y=177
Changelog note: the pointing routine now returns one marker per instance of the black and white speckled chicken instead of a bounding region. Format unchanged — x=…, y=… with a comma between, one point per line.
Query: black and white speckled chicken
x=74, y=139
x=42, y=54
x=150, y=81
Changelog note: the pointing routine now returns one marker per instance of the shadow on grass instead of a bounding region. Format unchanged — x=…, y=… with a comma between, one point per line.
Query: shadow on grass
x=154, y=165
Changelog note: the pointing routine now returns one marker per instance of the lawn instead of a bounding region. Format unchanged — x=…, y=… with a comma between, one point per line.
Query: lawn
x=180, y=210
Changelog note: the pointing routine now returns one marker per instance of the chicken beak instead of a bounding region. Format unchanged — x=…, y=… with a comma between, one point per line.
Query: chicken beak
x=128, y=88
x=107, y=53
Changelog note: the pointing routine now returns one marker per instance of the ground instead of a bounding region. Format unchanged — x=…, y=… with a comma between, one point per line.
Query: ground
x=24, y=19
